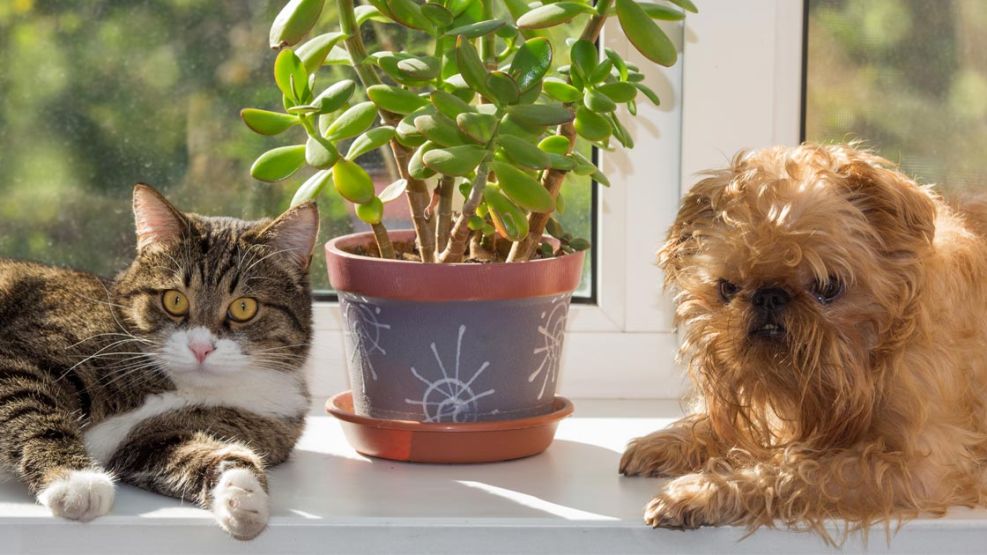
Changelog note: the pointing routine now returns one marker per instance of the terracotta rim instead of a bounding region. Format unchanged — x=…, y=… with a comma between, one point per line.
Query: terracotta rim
x=414, y=281
x=337, y=403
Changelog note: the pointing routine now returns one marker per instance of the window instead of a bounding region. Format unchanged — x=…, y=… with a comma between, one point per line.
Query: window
x=907, y=78
x=96, y=96
x=100, y=95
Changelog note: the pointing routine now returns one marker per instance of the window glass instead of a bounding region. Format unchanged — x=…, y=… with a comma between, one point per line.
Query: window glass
x=98, y=95
x=909, y=78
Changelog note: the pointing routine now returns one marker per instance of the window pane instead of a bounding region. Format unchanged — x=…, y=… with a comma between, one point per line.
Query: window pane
x=907, y=77
x=96, y=96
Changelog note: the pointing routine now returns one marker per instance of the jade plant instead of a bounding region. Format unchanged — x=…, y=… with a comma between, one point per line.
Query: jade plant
x=481, y=111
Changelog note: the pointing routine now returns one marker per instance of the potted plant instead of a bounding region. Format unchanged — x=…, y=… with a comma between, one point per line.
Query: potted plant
x=462, y=318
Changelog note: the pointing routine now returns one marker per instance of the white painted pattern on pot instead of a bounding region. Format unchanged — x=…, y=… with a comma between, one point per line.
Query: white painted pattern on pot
x=552, y=331
x=448, y=398
x=364, y=330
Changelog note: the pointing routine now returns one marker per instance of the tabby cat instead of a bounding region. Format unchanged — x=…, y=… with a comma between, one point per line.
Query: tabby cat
x=182, y=376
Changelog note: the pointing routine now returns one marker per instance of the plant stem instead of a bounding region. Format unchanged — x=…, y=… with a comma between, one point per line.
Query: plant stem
x=443, y=227
x=417, y=191
x=553, y=179
x=383, y=241
x=460, y=231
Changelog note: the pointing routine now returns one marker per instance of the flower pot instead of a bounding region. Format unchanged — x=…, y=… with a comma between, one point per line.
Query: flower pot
x=451, y=342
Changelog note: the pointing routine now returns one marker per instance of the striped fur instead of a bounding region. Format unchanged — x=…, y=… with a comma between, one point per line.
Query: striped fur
x=97, y=381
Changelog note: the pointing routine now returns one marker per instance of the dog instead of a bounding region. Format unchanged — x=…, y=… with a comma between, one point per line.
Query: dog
x=834, y=323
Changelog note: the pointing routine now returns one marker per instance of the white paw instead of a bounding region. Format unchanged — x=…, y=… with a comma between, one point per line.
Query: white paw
x=240, y=504
x=82, y=495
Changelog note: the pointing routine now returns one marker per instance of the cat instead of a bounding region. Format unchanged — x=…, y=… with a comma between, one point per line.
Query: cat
x=182, y=376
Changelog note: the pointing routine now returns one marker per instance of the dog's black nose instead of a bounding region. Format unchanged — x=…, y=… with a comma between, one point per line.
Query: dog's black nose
x=770, y=299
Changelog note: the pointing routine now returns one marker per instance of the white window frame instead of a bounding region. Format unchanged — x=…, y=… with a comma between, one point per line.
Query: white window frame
x=737, y=85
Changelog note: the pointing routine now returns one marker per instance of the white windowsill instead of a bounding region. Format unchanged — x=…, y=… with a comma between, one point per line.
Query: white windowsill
x=330, y=499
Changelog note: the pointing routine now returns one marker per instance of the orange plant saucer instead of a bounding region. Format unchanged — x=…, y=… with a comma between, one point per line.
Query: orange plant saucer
x=473, y=442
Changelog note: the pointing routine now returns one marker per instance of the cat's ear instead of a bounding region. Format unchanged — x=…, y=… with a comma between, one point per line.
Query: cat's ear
x=157, y=221
x=294, y=233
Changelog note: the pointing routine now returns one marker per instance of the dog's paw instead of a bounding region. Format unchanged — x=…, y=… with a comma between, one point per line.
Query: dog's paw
x=79, y=495
x=240, y=504
x=658, y=454
x=686, y=503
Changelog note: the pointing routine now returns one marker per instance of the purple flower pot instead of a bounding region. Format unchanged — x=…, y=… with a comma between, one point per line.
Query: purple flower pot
x=451, y=342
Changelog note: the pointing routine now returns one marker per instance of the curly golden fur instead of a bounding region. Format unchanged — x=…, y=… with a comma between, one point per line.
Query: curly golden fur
x=832, y=316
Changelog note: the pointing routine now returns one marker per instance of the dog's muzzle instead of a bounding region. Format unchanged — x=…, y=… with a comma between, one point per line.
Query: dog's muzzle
x=768, y=303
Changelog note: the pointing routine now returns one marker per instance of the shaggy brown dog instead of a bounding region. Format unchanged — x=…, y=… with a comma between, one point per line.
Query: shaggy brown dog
x=833, y=315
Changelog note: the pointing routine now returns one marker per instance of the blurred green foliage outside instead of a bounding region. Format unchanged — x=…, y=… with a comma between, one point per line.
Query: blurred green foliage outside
x=907, y=77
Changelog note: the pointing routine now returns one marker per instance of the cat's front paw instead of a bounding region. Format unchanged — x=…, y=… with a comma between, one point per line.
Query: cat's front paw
x=240, y=504
x=79, y=495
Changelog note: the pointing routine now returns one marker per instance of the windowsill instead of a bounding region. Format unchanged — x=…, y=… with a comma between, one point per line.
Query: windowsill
x=330, y=499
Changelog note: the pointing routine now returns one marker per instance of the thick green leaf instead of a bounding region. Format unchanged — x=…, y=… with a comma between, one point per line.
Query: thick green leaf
x=449, y=105
x=591, y=125
x=510, y=221
x=652, y=95
x=294, y=21
x=409, y=14
x=478, y=29
x=620, y=132
x=370, y=212
x=290, y=75
x=267, y=123
x=393, y=191
x=522, y=152
x=407, y=133
x=365, y=13
x=554, y=144
x=439, y=129
x=470, y=66
x=550, y=15
x=531, y=62
x=479, y=127
x=686, y=5
x=416, y=165
x=597, y=101
x=645, y=34
x=560, y=162
x=395, y=99
x=419, y=68
x=278, y=163
x=338, y=56
x=560, y=90
x=502, y=88
x=352, y=181
x=320, y=155
x=335, y=96
x=437, y=14
x=583, y=166
x=370, y=140
x=312, y=188
x=618, y=91
x=457, y=160
x=618, y=62
x=457, y=7
x=602, y=72
x=352, y=122
x=657, y=11
x=584, y=56
x=540, y=114
x=600, y=178
x=523, y=189
x=316, y=49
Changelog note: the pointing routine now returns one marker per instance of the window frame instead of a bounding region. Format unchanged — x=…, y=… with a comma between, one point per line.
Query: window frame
x=624, y=344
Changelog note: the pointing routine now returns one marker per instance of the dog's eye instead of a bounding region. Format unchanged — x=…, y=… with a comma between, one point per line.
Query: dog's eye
x=727, y=290
x=828, y=291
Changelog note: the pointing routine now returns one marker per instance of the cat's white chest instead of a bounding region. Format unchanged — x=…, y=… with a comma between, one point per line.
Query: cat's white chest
x=259, y=391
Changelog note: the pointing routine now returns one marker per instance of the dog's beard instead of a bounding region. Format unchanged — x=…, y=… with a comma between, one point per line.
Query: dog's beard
x=771, y=382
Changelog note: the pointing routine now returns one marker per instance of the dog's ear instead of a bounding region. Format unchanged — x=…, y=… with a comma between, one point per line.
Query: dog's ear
x=903, y=213
x=696, y=213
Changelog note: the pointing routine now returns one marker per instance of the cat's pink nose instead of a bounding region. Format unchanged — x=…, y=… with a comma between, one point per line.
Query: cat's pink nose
x=201, y=350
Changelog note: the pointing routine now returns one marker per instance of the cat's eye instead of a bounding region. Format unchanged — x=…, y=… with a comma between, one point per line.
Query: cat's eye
x=242, y=309
x=174, y=302
x=828, y=291
x=727, y=290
